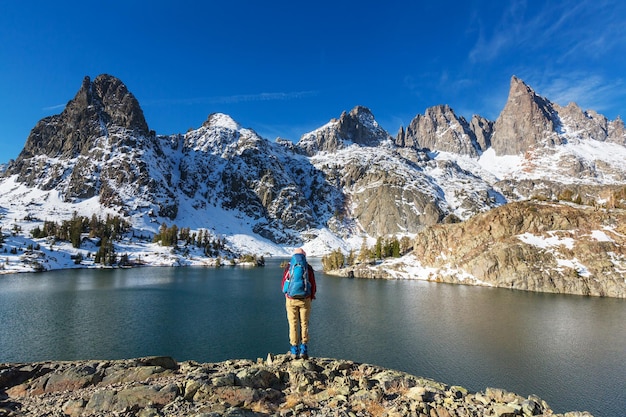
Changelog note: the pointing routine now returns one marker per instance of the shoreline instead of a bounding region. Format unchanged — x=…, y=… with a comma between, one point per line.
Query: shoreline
x=276, y=386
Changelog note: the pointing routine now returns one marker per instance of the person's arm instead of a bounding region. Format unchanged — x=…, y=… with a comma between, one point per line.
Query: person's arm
x=312, y=281
x=285, y=275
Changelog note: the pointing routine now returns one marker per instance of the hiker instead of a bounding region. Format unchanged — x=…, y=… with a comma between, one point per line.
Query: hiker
x=299, y=288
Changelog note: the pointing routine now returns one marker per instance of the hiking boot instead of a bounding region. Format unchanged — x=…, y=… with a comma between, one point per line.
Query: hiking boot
x=294, y=352
x=304, y=351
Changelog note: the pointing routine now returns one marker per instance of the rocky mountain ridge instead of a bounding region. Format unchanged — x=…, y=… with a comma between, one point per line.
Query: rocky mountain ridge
x=100, y=145
x=277, y=386
x=340, y=183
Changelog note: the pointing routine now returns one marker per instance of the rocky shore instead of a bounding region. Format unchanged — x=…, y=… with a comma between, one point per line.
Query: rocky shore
x=276, y=386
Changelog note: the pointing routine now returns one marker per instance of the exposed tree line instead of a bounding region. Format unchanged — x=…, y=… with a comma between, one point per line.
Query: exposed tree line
x=105, y=230
x=113, y=228
x=390, y=247
x=173, y=236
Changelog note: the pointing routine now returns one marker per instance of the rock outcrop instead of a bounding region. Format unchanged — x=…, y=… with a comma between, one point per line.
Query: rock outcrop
x=532, y=246
x=277, y=386
x=483, y=129
x=617, y=131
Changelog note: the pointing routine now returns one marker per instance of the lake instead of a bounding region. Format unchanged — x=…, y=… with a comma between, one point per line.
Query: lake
x=568, y=350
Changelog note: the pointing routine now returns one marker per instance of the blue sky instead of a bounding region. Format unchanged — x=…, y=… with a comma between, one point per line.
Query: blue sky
x=284, y=68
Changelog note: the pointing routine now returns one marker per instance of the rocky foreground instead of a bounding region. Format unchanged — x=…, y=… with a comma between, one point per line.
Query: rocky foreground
x=277, y=386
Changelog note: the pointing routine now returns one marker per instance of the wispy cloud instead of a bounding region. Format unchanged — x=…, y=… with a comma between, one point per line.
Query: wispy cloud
x=588, y=91
x=562, y=29
x=233, y=99
x=496, y=37
x=54, y=107
x=291, y=132
x=562, y=49
x=242, y=98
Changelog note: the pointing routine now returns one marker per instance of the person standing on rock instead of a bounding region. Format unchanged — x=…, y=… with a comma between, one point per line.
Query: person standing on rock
x=299, y=287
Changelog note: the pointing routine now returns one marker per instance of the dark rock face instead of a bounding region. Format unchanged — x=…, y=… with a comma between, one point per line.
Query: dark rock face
x=483, y=129
x=98, y=108
x=358, y=126
x=440, y=129
x=279, y=386
x=72, y=151
x=617, y=132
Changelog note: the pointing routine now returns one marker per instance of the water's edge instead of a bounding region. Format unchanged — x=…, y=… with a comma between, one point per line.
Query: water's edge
x=277, y=386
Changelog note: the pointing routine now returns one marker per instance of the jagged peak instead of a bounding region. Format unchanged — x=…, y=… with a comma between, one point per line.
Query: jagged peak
x=360, y=127
x=439, y=109
x=519, y=88
x=355, y=127
x=440, y=129
x=444, y=110
x=99, y=108
x=528, y=120
x=113, y=101
x=358, y=114
x=518, y=84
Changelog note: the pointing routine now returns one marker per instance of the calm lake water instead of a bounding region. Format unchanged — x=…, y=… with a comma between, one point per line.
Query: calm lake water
x=568, y=350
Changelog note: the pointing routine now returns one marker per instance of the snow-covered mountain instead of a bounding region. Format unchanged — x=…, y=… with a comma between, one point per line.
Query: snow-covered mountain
x=342, y=182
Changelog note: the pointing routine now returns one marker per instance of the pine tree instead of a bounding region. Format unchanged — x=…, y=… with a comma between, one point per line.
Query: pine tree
x=75, y=230
x=365, y=253
x=395, y=248
x=334, y=260
x=378, y=249
x=351, y=258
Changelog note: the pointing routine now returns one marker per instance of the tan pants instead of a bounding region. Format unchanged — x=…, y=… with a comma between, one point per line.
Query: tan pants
x=298, y=312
